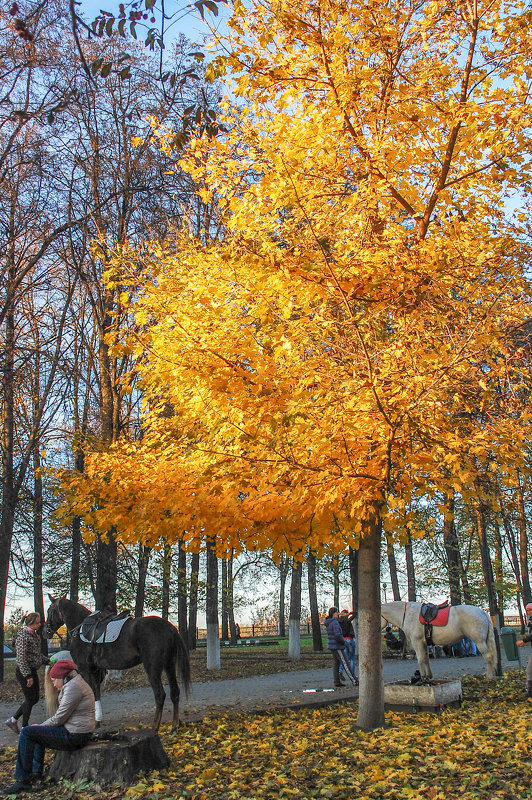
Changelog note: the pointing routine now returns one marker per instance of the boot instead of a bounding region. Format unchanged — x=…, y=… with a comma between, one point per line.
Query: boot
x=528, y=688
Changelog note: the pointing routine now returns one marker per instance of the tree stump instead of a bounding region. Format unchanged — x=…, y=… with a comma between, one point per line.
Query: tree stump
x=112, y=758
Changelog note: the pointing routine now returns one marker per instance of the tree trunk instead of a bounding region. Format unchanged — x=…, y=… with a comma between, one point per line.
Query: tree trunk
x=193, y=601
x=38, y=597
x=392, y=566
x=284, y=566
x=225, y=620
x=211, y=596
x=166, y=578
x=106, y=574
x=512, y=546
x=317, y=641
x=488, y=577
x=106, y=549
x=452, y=549
x=143, y=564
x=336, y=581
x=231, y=600
x=523, y=544
x=294, y=631
x=410, y=571
x=371, y=697
x=9, y=495
x=182, y=591
x=499, y=572
x=353, y=574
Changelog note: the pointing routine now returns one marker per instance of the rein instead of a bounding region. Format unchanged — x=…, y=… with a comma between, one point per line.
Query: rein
x=404, y=615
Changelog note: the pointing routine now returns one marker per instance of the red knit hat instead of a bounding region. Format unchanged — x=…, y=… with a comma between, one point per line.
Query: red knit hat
x=62, y=669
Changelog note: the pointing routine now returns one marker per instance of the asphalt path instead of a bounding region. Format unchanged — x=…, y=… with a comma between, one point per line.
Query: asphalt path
x=134, y=707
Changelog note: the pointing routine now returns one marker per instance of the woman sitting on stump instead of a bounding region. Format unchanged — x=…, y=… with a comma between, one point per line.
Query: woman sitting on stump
x=69, y=728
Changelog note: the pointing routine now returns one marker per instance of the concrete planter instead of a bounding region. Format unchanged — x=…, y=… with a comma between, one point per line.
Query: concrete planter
x=402, y=696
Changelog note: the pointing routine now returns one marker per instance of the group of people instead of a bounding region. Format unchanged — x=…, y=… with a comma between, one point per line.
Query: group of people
x=341, y=642
x=70, y=726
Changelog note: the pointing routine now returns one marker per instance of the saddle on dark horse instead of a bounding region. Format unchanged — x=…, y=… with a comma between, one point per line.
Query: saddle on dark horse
x=102, y=627
x=431, y=614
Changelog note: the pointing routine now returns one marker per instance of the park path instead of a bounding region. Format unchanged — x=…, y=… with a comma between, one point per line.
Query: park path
x=312, y=687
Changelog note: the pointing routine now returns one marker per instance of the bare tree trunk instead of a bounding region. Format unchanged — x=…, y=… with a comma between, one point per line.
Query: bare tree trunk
x=182, y=591
x=488, y=577
x=498, y=569
x=410, y=571
x=371, y=698
x=336, y=581
x=9, y=494
x=317, y=641
x=106, y=573
x=211, y=596
x=225, y=621
x=353, y=574
x=143, y=564
x=523, y=544
x=452, y=549
x=193, y=601
x=166, y=578
x=392, y=566
x=284, y=566
x=294, y=631
x=38, y=597
x=231, y=600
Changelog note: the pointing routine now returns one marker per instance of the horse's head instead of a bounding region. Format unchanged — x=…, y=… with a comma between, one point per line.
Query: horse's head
x=54, y=617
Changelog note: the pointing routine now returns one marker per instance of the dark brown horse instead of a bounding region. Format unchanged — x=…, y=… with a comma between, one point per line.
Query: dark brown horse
x=150, y=641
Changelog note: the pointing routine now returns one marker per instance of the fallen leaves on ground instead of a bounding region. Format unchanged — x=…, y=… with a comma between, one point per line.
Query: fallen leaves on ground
x=481, y=751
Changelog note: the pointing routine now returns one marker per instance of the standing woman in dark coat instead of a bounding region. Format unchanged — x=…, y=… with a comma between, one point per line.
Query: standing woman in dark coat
x=29, y=659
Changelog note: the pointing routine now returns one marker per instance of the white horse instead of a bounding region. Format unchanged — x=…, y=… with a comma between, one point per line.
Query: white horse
x=463, y=621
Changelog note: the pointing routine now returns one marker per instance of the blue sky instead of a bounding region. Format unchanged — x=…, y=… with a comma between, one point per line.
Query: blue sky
x=187, y=18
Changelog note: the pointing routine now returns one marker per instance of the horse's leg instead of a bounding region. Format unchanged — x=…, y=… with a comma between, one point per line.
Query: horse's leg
x=154, y=676
x=174, y=692
x=487, y=649
x=422, y=655
x=94, y=679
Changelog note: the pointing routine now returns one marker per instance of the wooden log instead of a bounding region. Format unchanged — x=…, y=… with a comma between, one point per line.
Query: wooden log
x=112, y=757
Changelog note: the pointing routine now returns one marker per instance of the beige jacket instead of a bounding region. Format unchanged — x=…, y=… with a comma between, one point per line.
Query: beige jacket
x=76, y=707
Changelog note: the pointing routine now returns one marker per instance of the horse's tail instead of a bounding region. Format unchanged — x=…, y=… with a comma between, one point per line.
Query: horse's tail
x=50, y=694
x=182, y=658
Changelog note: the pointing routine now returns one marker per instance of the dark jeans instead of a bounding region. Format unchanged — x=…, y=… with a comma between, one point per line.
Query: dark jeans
x=31, y=695
x=34, y=739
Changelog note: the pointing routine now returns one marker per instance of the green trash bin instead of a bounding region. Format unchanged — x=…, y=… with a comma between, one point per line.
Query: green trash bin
x=509, y=640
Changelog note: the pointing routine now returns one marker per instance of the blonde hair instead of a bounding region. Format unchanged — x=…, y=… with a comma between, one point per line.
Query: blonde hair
x=32, y=617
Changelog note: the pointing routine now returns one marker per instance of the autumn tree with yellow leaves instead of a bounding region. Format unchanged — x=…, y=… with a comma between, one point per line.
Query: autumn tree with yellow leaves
x=317, y=369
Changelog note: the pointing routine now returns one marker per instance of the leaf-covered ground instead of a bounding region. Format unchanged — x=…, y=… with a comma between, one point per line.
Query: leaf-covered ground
x=480, y=751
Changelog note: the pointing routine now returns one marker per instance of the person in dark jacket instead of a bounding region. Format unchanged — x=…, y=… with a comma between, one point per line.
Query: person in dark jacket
x=336, y=644
x=392, y=642
x=346, y=623
x=528, y=638
x=29, y=659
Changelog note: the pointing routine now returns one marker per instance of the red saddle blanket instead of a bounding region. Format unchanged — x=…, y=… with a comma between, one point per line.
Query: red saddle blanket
x=441, y=618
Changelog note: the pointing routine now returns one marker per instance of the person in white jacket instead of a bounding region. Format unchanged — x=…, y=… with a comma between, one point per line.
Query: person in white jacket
x=69, y=728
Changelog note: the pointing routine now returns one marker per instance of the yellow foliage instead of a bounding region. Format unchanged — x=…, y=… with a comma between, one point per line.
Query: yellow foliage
x=351, y=341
